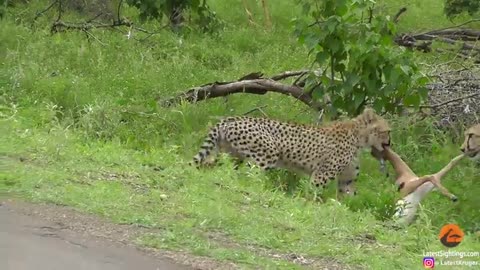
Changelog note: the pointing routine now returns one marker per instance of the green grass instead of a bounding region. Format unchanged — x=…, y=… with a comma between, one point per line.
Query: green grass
x=80, y=127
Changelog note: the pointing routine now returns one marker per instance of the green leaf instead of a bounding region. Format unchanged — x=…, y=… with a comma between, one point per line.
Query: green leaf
x=423, y=80
x=358, y=99
x=342, y=10
x=378, y=105
x=318, y=93
x=423, y=92
x=306, y=8
x=412, y=100
x=386, y=41
x=326, y=80
x=331, y=24
x=352, y=79
x=321, y=57
x=340, y=67
x=406, y=69
x=311, y=40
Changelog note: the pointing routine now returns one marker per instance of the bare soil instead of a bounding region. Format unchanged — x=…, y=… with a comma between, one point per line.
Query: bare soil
x=41, y=236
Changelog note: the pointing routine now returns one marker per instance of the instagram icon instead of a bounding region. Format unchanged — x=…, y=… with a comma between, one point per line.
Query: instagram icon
x=428, y=262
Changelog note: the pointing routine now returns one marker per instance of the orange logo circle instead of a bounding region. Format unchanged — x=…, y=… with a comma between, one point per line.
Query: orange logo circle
x=451, y=235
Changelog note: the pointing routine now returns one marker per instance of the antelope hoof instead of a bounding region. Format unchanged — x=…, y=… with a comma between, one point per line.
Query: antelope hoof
x=453, y=198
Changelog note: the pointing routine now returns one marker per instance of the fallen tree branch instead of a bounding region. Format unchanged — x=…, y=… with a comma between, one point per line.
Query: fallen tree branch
x=255, y=83
x=459, y=25
x=59, y=26
x=454, y=35
x=255, y=86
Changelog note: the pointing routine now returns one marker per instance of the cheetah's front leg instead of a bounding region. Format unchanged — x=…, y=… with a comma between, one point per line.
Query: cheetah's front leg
x=320, y=179
x=347, y=178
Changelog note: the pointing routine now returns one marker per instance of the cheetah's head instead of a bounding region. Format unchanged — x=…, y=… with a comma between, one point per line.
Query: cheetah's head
x=378, y=135
x=375, y=131
x=471, y=145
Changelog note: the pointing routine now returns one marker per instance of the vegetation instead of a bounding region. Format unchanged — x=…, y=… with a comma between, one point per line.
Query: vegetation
x=174, y=10
x=357, y=46
x=80, y=126
x=453, y=8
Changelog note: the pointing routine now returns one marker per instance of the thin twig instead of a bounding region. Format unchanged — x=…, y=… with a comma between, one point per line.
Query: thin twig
x=288, y=74
x=399, y=13
x=38, y=14
x=449, y=101
x=118, y=9
x=257, y=109
x=59, y=10
x=94, y=37
x=370, y=14
x=94, y=18
x=459, y=25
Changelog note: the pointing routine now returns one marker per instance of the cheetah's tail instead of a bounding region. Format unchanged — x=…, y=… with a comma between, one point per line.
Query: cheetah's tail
x=209, y=144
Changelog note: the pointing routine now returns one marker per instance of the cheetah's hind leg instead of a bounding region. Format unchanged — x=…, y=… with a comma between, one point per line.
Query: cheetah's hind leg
x=207, y=155
x=317, y=197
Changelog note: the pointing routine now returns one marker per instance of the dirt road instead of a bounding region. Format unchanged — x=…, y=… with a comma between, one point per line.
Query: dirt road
x=29, y=242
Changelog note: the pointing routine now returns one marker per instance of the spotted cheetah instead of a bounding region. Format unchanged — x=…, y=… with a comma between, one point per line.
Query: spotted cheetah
x=323, y=152
x=471, y=145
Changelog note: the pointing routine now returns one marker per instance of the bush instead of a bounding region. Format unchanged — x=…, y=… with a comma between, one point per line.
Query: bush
x=360, y=64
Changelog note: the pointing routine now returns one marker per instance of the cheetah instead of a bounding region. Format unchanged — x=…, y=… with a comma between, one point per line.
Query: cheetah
x=323, y=152
x=471, y=145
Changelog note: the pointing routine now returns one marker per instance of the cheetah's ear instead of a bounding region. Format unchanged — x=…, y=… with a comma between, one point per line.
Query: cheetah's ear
x=472, y=130
x=369, y=115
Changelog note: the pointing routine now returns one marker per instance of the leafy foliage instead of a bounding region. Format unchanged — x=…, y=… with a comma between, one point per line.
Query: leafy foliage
x=454, y=8
x=173, y=9
x=363, y=66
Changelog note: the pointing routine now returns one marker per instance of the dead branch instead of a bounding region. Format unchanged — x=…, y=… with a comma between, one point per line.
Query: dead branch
x=266, y=13
x=118, y=9
x=288, y=74
x=399, y=13
x=450, y=101
x=255, y=86
x=249, y=14
x=40, y=13
x=60, y=26
x=255, y=83
x=455, y=36
x=460, y=25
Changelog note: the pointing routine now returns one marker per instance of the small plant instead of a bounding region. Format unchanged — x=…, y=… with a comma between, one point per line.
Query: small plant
x=454, y=8
x=360, y=63
x=174, y=9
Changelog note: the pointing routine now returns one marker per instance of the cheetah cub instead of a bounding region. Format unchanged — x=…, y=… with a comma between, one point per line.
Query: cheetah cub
x=323, y=152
